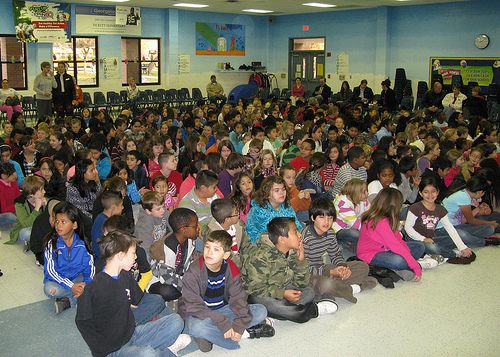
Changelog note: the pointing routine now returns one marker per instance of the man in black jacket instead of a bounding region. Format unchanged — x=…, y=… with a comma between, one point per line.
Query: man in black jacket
x=362, y=93
x=64, y=96
x=323, y=91
x=432, y=100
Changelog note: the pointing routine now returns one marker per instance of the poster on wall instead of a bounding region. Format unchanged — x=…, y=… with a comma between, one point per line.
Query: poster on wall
x=110, y=66
x=102, y=20
x=41, y=21
x=126, y=15
x=481, y=70
x=220, y=39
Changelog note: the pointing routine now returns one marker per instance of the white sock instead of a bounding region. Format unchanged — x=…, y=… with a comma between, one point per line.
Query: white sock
x=245, y=334
x=355, y=289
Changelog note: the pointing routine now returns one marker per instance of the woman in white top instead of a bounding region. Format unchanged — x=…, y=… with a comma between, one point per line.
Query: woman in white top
x=453, y=102
x=7, y=93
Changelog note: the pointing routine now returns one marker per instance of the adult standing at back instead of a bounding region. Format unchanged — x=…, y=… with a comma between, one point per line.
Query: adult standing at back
x=8, y=97
x=433, y=100
x=44, y=82
x=65, y=93
x=215, y=91
x=323, y=91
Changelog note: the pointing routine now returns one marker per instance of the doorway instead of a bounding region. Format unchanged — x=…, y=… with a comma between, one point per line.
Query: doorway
x=307, y=61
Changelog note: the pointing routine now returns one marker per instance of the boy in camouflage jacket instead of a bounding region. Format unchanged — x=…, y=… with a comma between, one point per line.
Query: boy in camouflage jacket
x=276, y=275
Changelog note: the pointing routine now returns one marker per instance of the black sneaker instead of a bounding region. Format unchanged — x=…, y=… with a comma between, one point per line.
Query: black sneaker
x=62, y=304
x=462, y=260
x=492, y=240
x=261, y=330
x=203, y=345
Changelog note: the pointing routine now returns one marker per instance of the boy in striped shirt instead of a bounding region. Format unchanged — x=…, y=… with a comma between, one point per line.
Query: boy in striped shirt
x=331, y=275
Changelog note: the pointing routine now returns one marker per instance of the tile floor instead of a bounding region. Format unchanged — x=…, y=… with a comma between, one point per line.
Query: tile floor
x=453, y=311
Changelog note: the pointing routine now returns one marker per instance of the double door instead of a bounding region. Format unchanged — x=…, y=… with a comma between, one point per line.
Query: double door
x=309, y=66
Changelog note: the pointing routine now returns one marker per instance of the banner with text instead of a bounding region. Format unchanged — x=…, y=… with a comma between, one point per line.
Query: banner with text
x=220, y=39
x=41, y=21
x=481, y=70
x=102, y=20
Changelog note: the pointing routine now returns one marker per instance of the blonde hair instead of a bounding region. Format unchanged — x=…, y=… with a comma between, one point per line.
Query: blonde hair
x=261, y=160
x=129, y=81
x=313, y=101
x=353, y=190
x=43, y=127
x=410, y=128
x=368, y=151
x=284, y=129
x=448, y=134
x=453, y=155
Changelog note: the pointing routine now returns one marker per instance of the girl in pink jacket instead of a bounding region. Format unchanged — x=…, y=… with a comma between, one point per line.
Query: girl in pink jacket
x=380, y=242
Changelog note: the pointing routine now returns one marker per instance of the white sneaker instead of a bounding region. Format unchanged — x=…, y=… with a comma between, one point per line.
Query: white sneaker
x=269, y=321
x=356, y=289
x=427, y=263
x=327, y=307
x=437, y=257
x=182, y=341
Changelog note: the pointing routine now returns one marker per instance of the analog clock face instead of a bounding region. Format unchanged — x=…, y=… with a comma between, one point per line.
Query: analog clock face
x=482, y=41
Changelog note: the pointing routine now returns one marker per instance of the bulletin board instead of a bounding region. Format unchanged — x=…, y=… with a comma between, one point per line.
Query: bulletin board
x=472, y=69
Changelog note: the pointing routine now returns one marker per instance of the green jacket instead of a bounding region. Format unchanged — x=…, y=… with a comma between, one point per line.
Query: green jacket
x=26, y=215
x=267, y=271
x=242, y=239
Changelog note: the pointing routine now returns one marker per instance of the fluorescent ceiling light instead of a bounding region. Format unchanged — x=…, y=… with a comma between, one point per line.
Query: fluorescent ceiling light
x=318, y=4
x=114, y=0
x=183, y=4
x=258, y=11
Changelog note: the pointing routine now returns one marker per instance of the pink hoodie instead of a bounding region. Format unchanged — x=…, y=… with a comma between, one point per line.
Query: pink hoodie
x=382, y=239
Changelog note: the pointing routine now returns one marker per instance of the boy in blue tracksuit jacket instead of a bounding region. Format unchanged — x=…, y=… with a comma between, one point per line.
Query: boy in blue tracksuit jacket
x=66, y=267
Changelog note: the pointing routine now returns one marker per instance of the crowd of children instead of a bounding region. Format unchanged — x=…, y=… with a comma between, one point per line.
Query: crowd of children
x=238, y=217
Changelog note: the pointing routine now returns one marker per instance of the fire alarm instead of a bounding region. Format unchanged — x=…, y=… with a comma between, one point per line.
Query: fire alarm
x=305, y=28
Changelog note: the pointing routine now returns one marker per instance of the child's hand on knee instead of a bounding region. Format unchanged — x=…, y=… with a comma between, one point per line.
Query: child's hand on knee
x=236, y=337
x=229, y=334
x=292, y=295
x=417, y=278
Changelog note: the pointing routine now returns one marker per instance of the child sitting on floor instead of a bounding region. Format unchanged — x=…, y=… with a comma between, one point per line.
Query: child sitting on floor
x=172, y=254
x=104, y=316
x=336, y=278
x=276, y=275
x=213, y=301
x=242, y=195
x=226, y=216
x=69, y=265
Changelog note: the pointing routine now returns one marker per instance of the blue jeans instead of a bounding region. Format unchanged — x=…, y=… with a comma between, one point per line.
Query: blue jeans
x=60, y=291
x=395, y=261
x=350, y=235
x=149, y=306
x=472, y=236
x=300, y=311
x=207, y=330
x=443, y=245
x=494, y=216
x=153, y=338
x=25, y=234
x=7, y=219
